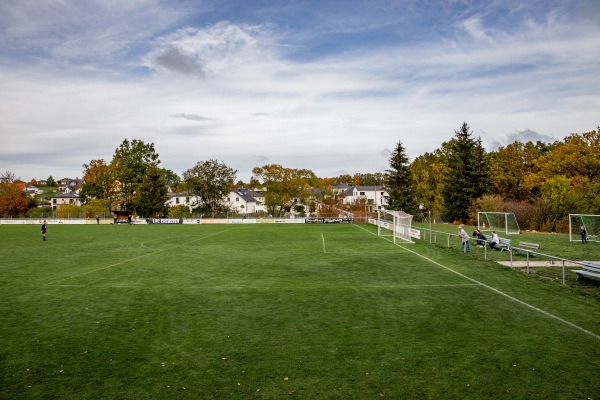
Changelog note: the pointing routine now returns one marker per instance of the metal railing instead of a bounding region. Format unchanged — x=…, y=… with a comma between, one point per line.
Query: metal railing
x=432, y=235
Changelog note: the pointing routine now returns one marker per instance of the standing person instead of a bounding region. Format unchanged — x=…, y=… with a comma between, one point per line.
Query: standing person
x=97, y=219
x=583, y=234
x=464, y=237
x=44, y=230
x=495, y=240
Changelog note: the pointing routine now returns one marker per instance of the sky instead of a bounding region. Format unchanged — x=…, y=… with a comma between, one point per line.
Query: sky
x=326, y=85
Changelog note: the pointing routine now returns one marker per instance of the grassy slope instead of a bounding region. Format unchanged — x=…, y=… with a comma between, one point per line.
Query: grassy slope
x=552, y=244
x=320, y=312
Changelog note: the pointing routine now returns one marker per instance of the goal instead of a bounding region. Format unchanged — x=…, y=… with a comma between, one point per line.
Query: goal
x=501, y=222
x=590, y=222
x=396, y=224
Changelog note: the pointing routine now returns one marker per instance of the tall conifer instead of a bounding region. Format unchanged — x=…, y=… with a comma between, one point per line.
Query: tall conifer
x=399, y=183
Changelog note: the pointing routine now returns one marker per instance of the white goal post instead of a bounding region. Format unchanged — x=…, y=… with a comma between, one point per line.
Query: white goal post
x=397, y=224
x=590, y=222
x=501, y=222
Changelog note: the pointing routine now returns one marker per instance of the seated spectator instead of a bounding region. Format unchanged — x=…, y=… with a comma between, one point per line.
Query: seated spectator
x=495, y=240
x=477, y=234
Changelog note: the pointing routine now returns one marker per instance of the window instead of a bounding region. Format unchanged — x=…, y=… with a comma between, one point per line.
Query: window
x=362, y=193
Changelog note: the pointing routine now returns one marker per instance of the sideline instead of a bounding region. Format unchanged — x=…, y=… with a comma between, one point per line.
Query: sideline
x=56, y=283
x=546, y=313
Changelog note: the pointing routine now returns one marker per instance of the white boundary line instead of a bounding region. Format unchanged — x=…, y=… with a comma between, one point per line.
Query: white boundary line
x=323, y=239
x=546, y=313
x=134, y=258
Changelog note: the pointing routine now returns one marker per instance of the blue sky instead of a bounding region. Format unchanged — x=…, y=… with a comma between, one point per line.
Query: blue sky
x=327, y=85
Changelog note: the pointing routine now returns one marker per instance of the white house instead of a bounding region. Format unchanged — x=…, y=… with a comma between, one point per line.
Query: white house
x=243, y=201
x=180, y=199
x=369, y=195
x=65, y=198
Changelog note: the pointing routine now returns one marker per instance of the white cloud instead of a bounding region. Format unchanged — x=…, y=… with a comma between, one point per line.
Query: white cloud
x=236, y=93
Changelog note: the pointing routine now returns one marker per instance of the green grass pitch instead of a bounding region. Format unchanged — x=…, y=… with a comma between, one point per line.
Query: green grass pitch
x=279, y=311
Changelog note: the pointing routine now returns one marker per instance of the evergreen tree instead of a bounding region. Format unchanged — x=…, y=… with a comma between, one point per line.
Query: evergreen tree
x=467, y=174
x=152, y=194
x=399, y=182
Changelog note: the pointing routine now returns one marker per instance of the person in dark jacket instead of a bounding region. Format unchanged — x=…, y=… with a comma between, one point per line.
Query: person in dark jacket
x=480, y=236
x=44, y=230
x=583, y=234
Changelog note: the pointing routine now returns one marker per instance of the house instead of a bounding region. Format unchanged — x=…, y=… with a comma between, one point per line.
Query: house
x=32, y=190
x=368, y=195
x=65, y=198
x=243, y=201
x=69, y=184
x=181, y=199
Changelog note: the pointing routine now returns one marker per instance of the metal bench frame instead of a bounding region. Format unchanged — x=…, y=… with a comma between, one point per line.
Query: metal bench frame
x=589, y=269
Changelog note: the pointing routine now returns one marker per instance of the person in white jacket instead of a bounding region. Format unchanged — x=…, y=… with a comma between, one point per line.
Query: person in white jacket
x=495, y=240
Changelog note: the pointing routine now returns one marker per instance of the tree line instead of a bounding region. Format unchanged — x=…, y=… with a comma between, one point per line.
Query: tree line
x=540, y=182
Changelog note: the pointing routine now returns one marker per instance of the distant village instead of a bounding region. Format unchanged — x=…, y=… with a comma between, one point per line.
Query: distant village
x=241, y=201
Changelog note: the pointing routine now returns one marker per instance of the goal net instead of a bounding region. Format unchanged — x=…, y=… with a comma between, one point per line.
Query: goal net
x=396, y=224
x=501, y=222
x=591, y=224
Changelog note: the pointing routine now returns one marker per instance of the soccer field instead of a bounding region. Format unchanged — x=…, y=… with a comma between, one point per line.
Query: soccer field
x=279, y=311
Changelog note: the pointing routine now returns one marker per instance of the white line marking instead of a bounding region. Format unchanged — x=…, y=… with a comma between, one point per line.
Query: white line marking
x=323, y=238
x=135, y=258
x=546, y=313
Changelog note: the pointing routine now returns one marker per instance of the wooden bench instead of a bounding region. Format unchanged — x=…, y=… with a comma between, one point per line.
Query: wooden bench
x=526, y=246
x=589, y=269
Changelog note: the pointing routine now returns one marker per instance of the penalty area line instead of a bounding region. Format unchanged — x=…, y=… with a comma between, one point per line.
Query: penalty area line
x=497, y=291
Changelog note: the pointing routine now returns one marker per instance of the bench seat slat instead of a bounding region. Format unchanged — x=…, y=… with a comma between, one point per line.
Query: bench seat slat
x=583, y=272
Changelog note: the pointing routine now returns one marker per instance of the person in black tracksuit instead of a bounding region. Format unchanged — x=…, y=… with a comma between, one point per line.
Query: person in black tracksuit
x=44, y=230
x=583, y=234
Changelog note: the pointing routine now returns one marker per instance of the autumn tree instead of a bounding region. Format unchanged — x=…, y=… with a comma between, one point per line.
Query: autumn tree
x=467, y=173
x=98, y=207
x=68, y=211
x=512, y=170
x=429, y=173
x=211, y=181
x=180, y=211
x=556, y=202
x=284, y=186
x=369, y=179
x=129, y=165
x=12, y=200
x=171, y=179
x=97, y=181
x=399, y=182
